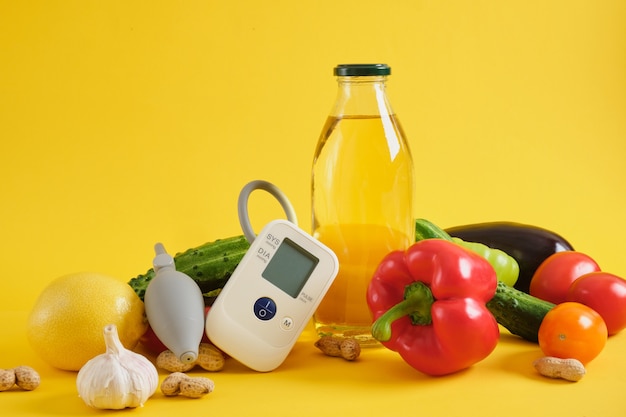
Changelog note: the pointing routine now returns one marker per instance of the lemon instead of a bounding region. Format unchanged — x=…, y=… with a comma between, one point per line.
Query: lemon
x=65, y=325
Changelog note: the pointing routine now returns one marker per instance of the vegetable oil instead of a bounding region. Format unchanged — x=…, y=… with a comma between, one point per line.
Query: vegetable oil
x=362, y=195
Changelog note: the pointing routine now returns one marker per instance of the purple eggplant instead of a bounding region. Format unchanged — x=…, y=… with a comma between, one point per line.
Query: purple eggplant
x=529, y=245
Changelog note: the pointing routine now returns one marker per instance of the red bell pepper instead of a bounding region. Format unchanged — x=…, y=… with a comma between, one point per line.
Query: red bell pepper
x=428, y=305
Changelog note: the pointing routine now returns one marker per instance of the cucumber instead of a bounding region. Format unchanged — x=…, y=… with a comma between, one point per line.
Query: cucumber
x=425, y=229
x=518, y=312
x=209, y=265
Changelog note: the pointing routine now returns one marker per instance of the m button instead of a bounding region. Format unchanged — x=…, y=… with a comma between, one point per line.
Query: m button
x=286, y=323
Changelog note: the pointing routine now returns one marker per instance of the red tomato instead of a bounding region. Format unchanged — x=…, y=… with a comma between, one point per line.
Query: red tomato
x=151, y=341
x=572, y=330
x=605, y=293
x=552, y=279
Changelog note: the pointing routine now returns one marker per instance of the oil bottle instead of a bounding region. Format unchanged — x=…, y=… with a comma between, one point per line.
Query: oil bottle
x=362, y=194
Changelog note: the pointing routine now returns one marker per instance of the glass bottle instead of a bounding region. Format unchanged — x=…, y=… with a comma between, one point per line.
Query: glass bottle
x=362, y=195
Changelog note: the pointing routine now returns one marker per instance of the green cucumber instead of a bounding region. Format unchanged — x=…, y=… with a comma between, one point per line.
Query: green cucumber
x=209, y=265
x=425, y=229
x=518, y=312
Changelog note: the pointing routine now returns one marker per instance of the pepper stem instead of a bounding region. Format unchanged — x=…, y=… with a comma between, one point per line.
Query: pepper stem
x=416, y=304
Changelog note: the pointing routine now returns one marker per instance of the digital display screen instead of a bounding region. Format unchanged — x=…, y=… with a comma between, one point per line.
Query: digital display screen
x=290, y=267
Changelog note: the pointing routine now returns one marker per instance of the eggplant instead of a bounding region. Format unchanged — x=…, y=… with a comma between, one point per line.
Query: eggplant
x=529, y=245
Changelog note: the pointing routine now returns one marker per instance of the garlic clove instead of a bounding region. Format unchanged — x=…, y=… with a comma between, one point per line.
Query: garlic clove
x=118, y=378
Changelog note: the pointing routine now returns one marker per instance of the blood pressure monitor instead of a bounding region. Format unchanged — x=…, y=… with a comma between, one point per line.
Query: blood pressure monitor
x=273, y=292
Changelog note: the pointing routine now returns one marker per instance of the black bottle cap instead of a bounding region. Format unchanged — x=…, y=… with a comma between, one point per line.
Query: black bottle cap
x=355, y=70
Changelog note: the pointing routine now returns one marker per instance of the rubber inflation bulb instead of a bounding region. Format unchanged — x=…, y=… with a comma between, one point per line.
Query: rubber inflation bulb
x=175, y=307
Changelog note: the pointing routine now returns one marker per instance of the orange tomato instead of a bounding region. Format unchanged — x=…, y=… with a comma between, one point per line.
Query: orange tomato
x=572, y=330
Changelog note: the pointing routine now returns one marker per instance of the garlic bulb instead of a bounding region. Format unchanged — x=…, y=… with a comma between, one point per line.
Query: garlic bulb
x=118, y=378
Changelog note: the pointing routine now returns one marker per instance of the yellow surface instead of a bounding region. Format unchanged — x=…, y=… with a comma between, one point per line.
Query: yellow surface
x=379, y=383
x=126, y=123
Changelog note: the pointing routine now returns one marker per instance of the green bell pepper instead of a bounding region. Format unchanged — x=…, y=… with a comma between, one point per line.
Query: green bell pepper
x=506, y=267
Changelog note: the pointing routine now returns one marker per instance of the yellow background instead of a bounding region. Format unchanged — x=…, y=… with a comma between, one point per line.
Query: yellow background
x=124, y=123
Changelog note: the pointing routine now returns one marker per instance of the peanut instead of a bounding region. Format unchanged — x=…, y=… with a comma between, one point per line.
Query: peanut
x=170, y=362
x=178, y=383
x=24, y=377
x=568, y=369
x=7, y=379
x=210, y=358
x=171, y=384
x=196, y=387
x=329, y=345
x=348, y=348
